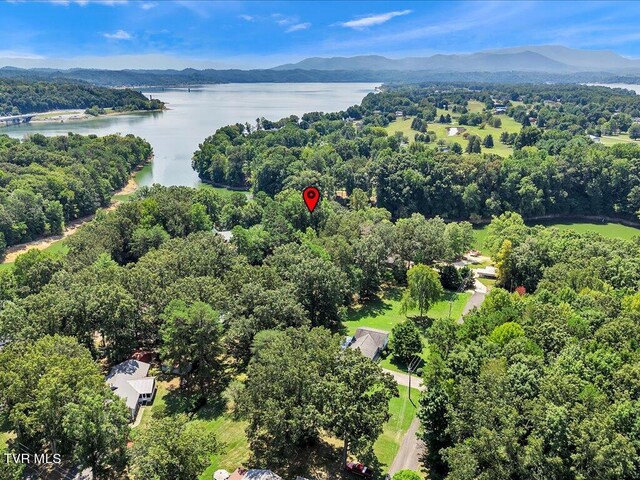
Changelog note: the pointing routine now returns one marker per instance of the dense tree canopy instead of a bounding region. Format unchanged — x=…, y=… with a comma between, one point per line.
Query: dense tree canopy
x=46, y=182
x=19, y=96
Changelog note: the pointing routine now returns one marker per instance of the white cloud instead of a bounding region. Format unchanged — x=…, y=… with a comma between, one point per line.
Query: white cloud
x=12, y=54
x=82, y=3
x=119, y=35
x=297, y=27
x=371, y=20
x=248, y=18
x=148, y=5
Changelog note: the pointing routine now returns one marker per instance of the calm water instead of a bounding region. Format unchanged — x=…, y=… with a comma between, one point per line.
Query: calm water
x=192, y=116
x=635, y=88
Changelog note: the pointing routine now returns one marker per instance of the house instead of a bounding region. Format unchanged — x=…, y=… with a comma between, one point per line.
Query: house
x=595, y=138
x=399, y=113
x=500, y=110
x=370, y=341
x=130, y=381
x=254, y=474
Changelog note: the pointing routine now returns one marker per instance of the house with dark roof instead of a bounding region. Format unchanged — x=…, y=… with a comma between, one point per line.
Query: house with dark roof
x=370, y=341
x=131, y=382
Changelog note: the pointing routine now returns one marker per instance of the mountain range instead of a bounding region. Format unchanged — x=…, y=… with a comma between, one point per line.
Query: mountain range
x=542, y=63
x=534, y=58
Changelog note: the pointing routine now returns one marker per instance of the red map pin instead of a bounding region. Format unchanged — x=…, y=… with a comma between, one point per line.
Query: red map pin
x=311, y=195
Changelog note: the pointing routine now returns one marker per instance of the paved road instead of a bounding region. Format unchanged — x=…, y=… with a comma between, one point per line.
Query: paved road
x=411, y=451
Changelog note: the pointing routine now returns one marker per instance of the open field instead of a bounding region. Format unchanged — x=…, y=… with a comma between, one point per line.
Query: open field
x=385, y=312
x=610, y=230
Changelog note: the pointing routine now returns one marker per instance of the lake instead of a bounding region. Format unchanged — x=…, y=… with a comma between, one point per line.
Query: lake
x=635, y=88
x=194, y=115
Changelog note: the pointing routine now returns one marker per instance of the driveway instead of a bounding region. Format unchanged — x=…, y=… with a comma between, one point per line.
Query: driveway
x=403, y=379
x=411, y=451
x=479, y=294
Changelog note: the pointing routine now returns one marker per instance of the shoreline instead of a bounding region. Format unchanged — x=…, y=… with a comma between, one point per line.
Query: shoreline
x=74, y=115
x=42, y=243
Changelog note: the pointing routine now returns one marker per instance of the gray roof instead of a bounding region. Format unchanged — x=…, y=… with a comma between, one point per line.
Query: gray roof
x=129, y=380
x=261, y=475
x=370, y=341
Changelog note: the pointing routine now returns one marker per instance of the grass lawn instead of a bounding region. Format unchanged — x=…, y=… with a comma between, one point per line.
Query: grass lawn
x=612, y=140
x=508, y=124
x=609, y=230
x=402, y=413
x=385, y=312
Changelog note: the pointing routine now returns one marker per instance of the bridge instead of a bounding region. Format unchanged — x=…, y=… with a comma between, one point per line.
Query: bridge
x=15, y=119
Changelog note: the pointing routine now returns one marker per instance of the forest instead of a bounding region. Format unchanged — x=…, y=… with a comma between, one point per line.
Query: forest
x=541, y=381
x=555, y=168
x=47, y=182
x=18, y=96
x=153, y=275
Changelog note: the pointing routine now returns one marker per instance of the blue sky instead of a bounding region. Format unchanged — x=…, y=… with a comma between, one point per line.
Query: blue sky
x=161, y=34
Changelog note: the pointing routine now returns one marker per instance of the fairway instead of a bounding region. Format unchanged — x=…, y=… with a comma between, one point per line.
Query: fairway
x=509, y=125
x=607, y=229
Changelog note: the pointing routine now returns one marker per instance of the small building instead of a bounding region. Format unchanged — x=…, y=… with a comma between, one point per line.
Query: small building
x=254, y=474
x=130, y=381
x=595, y=138
x=227, y=235
x=487, y=272
x=370, y=341
x=500, y=110
x=399, y=113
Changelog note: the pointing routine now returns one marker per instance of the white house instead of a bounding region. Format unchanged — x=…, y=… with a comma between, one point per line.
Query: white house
x=130, y=381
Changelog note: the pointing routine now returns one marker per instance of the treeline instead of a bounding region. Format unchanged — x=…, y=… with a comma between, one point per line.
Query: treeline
x=554, y=170
x=152, y=274
x=20, y=96
x=190, y=76
x=542, y=382
x=48, y=181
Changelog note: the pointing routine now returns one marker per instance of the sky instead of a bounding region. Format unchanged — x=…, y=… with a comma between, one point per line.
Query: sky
x=253, y=34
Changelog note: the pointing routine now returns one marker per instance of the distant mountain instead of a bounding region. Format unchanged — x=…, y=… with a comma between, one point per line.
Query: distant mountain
x=541, y=58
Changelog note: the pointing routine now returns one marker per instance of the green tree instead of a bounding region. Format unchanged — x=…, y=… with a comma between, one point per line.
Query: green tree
x=406, y=341
x=488, y=141
x=283, y=398
x=358, y=395
x=191, y=341
x=456, y=148
x=634, y=131
x=423, y=289
x=100, y=430
x=406, y=475
x=173, y=448
x=55, y=397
